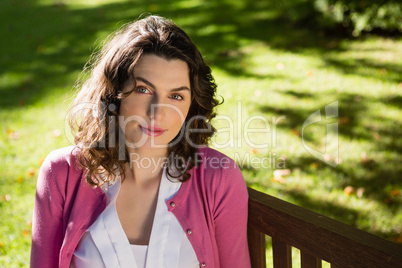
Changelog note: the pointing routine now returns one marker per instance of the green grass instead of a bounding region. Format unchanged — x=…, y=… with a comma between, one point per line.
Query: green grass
x=264, y=67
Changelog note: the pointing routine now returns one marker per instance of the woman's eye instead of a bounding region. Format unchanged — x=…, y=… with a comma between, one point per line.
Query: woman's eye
x=142, y=90
x=177, y=97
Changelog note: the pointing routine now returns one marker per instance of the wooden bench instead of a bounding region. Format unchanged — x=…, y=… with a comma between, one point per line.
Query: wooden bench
x=316, y=236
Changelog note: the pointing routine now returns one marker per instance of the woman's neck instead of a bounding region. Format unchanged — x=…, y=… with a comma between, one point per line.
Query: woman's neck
x=145, y=167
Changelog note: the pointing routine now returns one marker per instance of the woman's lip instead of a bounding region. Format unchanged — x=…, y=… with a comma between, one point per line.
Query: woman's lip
x=154, y=131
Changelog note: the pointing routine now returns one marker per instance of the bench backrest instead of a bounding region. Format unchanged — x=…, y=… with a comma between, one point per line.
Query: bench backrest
x=316, y=236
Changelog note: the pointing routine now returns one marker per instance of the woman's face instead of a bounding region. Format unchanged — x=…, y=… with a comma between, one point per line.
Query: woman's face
x=154, y=112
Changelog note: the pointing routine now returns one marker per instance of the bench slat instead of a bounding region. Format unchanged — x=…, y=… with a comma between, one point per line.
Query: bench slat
x=256, y=244
x=309, y=261
x=282, y=254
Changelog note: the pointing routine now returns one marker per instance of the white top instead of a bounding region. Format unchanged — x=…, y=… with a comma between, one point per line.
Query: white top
x=104, y=243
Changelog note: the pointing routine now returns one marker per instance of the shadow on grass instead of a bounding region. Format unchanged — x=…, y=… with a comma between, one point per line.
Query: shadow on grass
x=46, y=44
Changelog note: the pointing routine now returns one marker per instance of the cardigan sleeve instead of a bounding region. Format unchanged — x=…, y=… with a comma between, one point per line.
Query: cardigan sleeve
x=47, y=222
x=230, y=216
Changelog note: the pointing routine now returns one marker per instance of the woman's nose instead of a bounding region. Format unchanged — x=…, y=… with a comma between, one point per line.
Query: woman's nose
x=156, y=109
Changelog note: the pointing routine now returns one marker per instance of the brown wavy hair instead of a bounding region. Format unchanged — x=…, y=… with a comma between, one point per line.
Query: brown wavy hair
x=93, y=114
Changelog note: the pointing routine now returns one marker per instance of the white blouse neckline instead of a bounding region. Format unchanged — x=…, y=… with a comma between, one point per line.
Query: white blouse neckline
x=166, y=242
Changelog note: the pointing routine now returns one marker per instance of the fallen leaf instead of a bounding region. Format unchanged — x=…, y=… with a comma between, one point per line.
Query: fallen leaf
x=281, y=172
x=254, y=151
x=20, y=179
x=280, y=66
x=278, y=179
x=359, y=192
x=25, y=233
x=56, y=133
x=1, y=245
x=327, y=157
x=310, y=73
x=349, y=190
x=14, y=135
x=40, y=161
x=344, y=120
x=31, y=172
x=7, y=197
x=376, y=136
x=382, y=71
x=295, y=132
x=314, y=165
x=394, y=192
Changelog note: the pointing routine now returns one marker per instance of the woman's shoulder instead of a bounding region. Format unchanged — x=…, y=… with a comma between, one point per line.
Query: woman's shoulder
x=60, y=162
x=65, y=156
x=218, y=168
x=213, y=159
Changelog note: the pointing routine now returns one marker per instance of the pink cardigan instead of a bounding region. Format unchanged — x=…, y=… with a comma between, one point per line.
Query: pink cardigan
x=212, y=204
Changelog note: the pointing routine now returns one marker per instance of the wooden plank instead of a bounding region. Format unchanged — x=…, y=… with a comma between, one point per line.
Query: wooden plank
x=282, y=254
x=309, y=261
x=256, y=245
x=329, y=240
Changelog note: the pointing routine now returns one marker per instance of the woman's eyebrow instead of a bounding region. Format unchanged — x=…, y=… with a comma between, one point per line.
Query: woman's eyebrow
x=139, y=78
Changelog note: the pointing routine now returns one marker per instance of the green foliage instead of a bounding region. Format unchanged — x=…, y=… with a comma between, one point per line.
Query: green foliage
x=360, y=15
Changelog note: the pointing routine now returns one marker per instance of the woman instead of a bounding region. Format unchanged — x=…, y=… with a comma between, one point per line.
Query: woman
x=140, y=188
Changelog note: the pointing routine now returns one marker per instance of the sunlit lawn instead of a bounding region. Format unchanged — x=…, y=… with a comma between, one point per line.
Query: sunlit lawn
x=272, y=75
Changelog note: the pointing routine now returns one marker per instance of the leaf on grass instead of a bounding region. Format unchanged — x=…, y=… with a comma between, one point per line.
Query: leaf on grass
x=20, y=179
x=280, y=66
x=376, y=136
x=360, y=192
x=314, y=165
x=349, y=190
x=382, y=71
x=327, y=157
x=280, y=179
x=25, y=233
x=1, y=245
x=295, y=132
x=258, y=93
x=338, y=160
x=394, y=192
x=344, y=120
x=56, y=133
x=254, y=151
x=279, y=175
x=31, y=172
x=7, y=197
x=14, y=135
x=281, y=172
x=40, y=161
